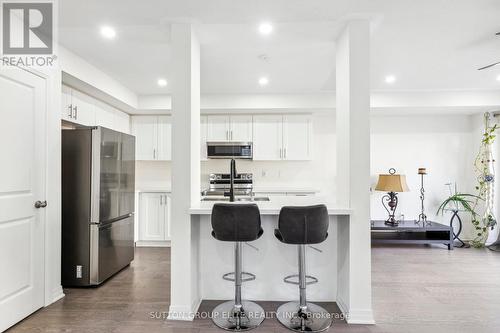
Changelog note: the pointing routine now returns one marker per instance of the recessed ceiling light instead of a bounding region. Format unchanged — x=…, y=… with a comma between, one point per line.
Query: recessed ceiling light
x=162, y=82
x=108, y=32
x=265, y=28
x=263, y=81
x=390, y=79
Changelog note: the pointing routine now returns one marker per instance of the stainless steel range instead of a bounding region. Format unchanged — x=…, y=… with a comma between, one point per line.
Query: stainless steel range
x=220, y=184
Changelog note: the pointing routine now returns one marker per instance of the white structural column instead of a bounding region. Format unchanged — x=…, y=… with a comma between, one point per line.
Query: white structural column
x=353, y=171
x=185, y=169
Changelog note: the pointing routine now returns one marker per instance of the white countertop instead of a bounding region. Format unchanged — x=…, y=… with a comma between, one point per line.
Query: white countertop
x=275, y=204
x=154, y=190
x=284, y=189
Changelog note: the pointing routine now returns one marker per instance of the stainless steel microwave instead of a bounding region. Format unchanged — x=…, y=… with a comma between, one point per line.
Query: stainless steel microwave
x=230, y=150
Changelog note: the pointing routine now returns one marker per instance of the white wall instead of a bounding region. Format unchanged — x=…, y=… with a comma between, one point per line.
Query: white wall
x=442, y=144
x=153, y=175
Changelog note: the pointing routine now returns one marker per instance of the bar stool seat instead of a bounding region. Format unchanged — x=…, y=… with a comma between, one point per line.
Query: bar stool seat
x=303, y=226
x=237, y=223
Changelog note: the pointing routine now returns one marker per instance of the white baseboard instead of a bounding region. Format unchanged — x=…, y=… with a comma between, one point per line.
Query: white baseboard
x=56, y=295
x=153, y=243
x=184, y=313
x=356, y=316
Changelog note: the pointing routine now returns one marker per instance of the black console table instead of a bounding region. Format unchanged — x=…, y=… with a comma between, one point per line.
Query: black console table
x=412, y=232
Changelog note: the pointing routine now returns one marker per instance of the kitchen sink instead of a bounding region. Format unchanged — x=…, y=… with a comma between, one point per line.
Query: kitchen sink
x=246, y=199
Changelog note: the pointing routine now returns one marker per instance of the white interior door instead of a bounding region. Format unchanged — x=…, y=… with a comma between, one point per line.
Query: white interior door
x=164, y=138
x=218, y=128
x=241, y=128
x=267, y=137
x=22, y=182
x=144, y=128
x=297, y=137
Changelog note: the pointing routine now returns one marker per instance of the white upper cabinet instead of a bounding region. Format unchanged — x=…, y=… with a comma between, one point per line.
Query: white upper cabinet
x=229, y=128
x=66, y=107
x=77, y=107
x=274, y=137
x=83, y=109
x=267, y=137
x=121, y=121
x=297, y=137
x=145, y=129
x=164, y=138
x=153, y=137
x=277, y=137
x=218, y=128
x=105, y=115
x=240, y=128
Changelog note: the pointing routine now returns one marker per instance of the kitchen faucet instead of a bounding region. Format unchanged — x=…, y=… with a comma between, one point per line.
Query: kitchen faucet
x=231, y=181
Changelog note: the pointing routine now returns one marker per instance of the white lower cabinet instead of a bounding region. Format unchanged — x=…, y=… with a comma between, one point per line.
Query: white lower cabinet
x=154, y=219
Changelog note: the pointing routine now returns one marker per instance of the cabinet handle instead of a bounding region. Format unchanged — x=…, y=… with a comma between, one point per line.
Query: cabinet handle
x=231, y=135
x=76, y=111
x=70, y=109
x=154, y=154
x=284, y=153
x=227, y=135
x=281, y=153
x=161, y=200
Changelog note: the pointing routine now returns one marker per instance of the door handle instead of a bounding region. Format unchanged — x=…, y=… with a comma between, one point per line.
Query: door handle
x=76, y=111
x=40, y=204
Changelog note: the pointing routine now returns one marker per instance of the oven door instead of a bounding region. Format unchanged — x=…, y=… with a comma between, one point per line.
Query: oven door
x=229, y=150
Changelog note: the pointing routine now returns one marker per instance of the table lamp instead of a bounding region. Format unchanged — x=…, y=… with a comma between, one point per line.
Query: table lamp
x=392, y=184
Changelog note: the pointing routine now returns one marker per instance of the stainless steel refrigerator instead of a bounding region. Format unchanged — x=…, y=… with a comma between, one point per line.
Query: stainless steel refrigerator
x=98, y=184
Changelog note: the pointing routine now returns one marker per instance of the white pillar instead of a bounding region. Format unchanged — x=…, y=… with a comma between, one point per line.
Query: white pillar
x=353, y=170
x=185, y=83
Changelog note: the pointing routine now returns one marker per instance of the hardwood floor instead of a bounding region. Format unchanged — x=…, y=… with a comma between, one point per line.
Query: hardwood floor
x=415, y=289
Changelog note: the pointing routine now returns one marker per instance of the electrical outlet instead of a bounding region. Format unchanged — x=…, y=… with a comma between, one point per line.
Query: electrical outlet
x=78, y=271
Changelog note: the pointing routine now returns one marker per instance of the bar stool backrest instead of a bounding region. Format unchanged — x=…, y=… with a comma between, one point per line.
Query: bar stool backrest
x=303, y=225
x=236, y=222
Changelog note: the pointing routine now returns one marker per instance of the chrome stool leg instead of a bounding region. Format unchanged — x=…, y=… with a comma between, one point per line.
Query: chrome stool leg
x=303, y=316
x=238, y=315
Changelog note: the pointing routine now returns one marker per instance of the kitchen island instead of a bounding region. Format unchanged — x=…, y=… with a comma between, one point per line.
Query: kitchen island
x=342, y=270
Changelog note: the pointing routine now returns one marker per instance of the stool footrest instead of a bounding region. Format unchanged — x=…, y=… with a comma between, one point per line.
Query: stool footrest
x=309, y=279
x=231, y=276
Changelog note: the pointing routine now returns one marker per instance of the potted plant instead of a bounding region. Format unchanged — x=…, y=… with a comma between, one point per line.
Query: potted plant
x=459, y=202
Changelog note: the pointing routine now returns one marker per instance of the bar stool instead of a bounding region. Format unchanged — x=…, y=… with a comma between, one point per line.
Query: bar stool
x=237, y=223
x=303, y=226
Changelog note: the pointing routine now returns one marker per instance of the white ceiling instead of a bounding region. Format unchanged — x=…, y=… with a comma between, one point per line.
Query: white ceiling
x=426, y=44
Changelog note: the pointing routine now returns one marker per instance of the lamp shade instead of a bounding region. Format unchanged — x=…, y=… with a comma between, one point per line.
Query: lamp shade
x=392, y=183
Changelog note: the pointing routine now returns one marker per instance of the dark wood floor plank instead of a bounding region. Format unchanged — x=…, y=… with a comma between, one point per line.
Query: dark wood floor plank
x=415, y=289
